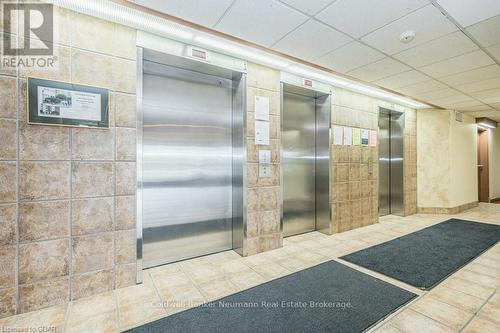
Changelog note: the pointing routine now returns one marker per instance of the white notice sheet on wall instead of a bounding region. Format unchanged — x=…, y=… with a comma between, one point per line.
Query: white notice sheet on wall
x=261, y=132
x=365, y=136
x=338, y=135
x=347, y=136
x=261, y=108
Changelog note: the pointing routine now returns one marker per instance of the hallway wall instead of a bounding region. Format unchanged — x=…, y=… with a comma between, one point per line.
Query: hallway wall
x=494, y=160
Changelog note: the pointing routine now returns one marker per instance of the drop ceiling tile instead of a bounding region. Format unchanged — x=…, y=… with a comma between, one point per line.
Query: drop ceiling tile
x=486, y=32
x=448, y=101
x=480, y=85
x=379, y=69
x=495, y=51
x=475, y=75
x=428, y=24
x=468, y=12
x=458, y=64
x=437, y=94
x=204, y=12
x=436, y=50
x=359, y=17
x=402, y=79
x=349, y=57
x=488, y=96
x=422, y=87
x=308, y=6
x=492, y=114
x=263, y=22
x=496, y=105
x=308, y=40
x=476, y=108
x=471, y=105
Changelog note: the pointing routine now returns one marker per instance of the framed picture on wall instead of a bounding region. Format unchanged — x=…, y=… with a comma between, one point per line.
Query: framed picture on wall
x=67, y=104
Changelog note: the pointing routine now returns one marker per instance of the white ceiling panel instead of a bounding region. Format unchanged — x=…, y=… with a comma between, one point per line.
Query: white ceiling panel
x=204, y=12
x=402, y=79
x=422, y=87
x=263, y=22
x=349, y=57
x=436, y=50
x=496, y=105
x=468, y=12
x=488, y=96
x=475, y=75
x=458, y=64
x=448, y=101
x=438, y=94
x=300, y=44
x=359, y=17
x=308, y=6
x=495, y=51
x=472, y=105
x=493, y=114
x=481, y=107
x=479, y=86
x=428, y=24
x=486, y=32
x=379, y=70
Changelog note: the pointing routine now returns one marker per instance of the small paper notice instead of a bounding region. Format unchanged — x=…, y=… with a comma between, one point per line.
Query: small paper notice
x=338, y=135
x=365, y=135
x=373, y=138
x=261, y=108
x=347, y=136
x=356, y=136
x=261, y=132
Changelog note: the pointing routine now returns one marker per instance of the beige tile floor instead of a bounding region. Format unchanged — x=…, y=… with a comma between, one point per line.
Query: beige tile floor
x=468, y=301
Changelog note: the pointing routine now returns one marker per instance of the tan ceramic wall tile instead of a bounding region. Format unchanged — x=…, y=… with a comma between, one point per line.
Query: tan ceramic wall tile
x=125, y=211
x=7, y=181
x=43, y=294
x=8, y=97
x=92, y=215
x=44, y=180
x=124, y=75
x=126, y=146
x=8, y=264
x=8, y=133
x=124, y=42
x=125, y=275
x=92, y=34
x=92, y=144
x=93, y=252
x=43, y=220
x=268, y=198
x=124, y=109
x=89, y=284
x=61, y=70
x=263, y=77
x=8, y=214
x=91, y=69
x=8, y=302
x=125, y=246
x=126, y=178
x=269, y=222
x=91, y=179
x=253, y=150
x=43, y=142
x=43, y=260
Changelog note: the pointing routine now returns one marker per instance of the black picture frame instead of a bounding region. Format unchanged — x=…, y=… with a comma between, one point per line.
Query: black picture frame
x=33, y=108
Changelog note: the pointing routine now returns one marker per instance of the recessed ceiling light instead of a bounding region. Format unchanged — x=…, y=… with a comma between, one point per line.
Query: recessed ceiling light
x=407, y=36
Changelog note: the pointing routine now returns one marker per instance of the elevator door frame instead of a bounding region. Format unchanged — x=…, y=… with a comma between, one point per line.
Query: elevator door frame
x=395, y=160
x=322, y=154
x=238, y=116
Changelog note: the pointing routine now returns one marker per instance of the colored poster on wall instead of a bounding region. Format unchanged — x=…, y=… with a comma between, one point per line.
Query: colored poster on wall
x=373, y=139
x=338, y=135
x=261, y=108
x=365, y=136
x=356, y=136
x=347, y=136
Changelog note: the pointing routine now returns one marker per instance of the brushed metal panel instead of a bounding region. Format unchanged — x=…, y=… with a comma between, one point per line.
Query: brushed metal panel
x=187, y=164
x=323, y=112
x=384, y=153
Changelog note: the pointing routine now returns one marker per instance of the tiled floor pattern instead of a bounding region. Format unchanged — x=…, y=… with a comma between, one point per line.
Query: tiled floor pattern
x=468, y=301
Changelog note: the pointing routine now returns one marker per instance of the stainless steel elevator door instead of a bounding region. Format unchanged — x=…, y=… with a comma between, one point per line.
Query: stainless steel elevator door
x=391, y=161
x=299, y=156
x=187, y=164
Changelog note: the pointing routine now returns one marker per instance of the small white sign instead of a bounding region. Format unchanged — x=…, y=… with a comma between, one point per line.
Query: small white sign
x=348, y=136
x=261, y=108
x=365, y=137
x=264, y=170
x=261, y=132
x=338, y=135
x=264, y=156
